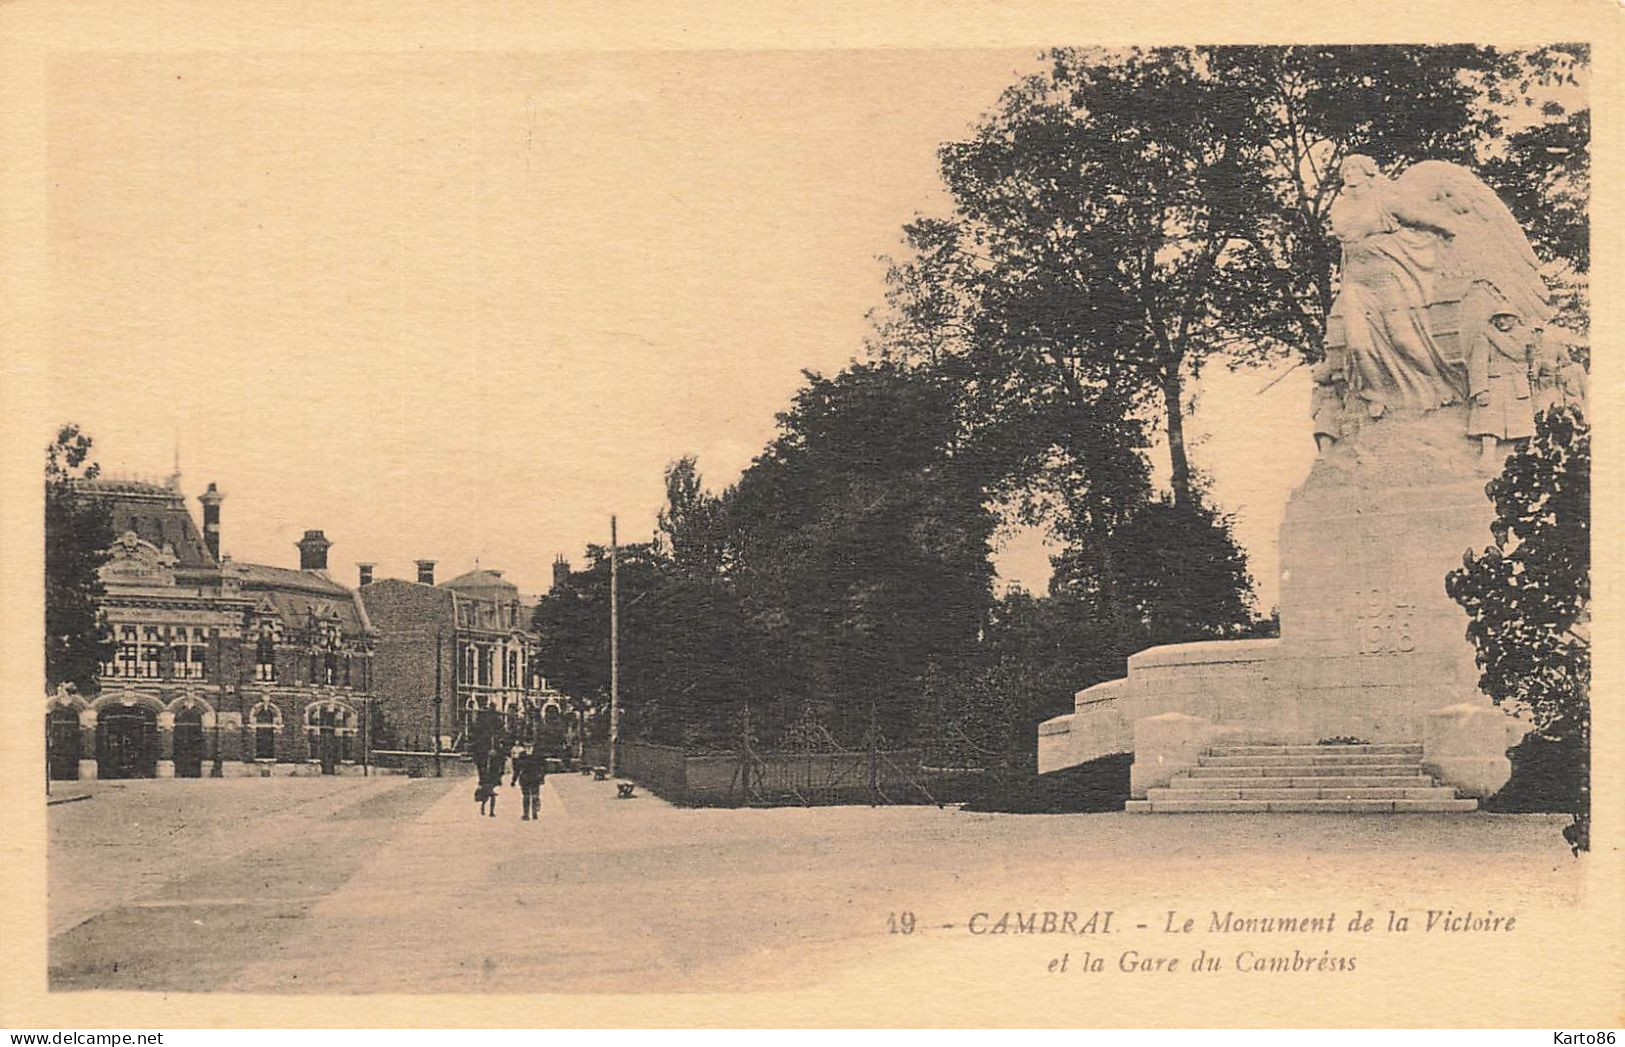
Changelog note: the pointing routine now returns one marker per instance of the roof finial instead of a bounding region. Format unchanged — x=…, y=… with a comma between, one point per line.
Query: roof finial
x=175, y=477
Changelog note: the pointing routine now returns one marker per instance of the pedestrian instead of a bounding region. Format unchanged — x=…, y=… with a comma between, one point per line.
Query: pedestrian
x=491, y=779
x=528, y=774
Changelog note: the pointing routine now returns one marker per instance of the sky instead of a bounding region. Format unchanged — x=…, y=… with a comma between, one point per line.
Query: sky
x=465, y=306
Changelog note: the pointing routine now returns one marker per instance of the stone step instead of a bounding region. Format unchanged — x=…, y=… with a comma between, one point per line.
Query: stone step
x=1389, y=748
x=1306, y=770
x=1317, y=759
x=1395, y=781
x=1435, y=792
x=1300, y=806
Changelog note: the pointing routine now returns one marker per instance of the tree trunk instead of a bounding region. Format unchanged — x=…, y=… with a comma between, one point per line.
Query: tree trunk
x=1174, y=407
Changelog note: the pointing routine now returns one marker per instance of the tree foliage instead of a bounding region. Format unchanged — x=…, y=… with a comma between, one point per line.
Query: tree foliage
x=1128, y=215
x=78, y=537
x=847, y=564
x=1528, y=595
x=861, y=547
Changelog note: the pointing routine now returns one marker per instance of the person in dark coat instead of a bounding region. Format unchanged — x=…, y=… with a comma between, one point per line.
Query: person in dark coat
x=529, y=773
x=490, y=780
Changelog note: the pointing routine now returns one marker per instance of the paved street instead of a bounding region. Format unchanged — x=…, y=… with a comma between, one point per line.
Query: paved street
x=392, y=884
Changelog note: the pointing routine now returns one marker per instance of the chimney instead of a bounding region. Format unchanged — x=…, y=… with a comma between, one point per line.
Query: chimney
x=313, y=551
x=425, y=572
x=211, y=500
x=561, y=571
x=363, y=574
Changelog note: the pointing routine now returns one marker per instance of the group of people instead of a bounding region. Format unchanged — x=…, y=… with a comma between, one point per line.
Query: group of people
x=1513, y=373
x=529, y=772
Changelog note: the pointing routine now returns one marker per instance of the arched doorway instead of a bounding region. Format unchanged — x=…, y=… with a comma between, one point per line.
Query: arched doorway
x=188, y=742
x=127, y=742
x=62, y=743
x=266, y=722
x=330, y=734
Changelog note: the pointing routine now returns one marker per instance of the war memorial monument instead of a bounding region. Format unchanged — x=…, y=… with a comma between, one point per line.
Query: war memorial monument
x=1369, y=698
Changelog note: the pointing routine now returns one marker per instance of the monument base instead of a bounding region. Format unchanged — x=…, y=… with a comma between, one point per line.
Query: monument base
x=1371, y=646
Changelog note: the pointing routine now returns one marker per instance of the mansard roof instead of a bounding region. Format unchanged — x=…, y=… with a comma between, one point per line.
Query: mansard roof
x=154, y=513
x=299, y=595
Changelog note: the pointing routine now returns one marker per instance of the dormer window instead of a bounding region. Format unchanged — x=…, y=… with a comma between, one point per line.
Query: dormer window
x=265, y=656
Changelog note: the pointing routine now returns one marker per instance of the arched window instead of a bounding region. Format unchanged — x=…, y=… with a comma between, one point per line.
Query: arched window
x=265, y=725
x=330, y=725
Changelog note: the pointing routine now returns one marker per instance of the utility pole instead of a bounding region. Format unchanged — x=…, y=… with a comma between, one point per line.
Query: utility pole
x=439, y=639
x=614, y=648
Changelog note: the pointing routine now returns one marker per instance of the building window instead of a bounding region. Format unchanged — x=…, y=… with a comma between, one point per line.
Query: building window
x=265, y=657
x=188, y=650
x=485, y=666
x=148, y=652
x=265, y=733
x=124, y=657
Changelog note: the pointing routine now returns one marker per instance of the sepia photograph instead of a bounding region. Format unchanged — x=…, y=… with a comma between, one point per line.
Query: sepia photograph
x=1073, y=532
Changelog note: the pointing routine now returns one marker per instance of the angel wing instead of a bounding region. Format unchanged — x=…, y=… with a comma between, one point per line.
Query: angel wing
x=1485, y=243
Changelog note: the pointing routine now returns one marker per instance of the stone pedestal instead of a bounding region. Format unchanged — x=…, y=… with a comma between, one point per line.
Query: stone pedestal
x=87, y=770
x=1370, y=644
x=1163, y=747
x=1466, y=745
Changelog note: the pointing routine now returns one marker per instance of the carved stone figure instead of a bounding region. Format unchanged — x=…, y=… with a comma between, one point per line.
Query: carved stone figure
x=1555, y=378
x=1327, y=398
x=1414, y=249
x=1498, y=380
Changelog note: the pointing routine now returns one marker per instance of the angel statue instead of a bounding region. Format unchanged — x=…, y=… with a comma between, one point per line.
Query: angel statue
x=1427, y=257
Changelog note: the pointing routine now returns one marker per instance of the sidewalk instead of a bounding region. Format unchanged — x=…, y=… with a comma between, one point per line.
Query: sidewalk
x=577, y=795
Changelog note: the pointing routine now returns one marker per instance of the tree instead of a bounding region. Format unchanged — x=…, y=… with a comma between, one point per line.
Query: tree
x=78, y=540
x=1528, y=596
x=1128, y=215
x=692, y=526
x=687, y=664
x=1181, y=575
x=573, y=622
x=1309, y=108
x=859, y=549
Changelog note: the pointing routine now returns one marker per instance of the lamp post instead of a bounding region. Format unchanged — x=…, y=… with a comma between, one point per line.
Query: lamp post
x=218, y=769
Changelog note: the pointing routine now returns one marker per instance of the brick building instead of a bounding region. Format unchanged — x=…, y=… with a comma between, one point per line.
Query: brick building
x=255, y=668
x=453, y=656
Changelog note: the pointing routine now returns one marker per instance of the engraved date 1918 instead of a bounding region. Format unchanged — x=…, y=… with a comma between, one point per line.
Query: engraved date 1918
x=1384, y=626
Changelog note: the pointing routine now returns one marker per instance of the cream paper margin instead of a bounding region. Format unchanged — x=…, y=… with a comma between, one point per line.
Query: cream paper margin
x=1568, y=972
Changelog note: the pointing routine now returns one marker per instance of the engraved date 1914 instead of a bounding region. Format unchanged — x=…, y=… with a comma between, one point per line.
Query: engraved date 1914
x=1384, y=626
